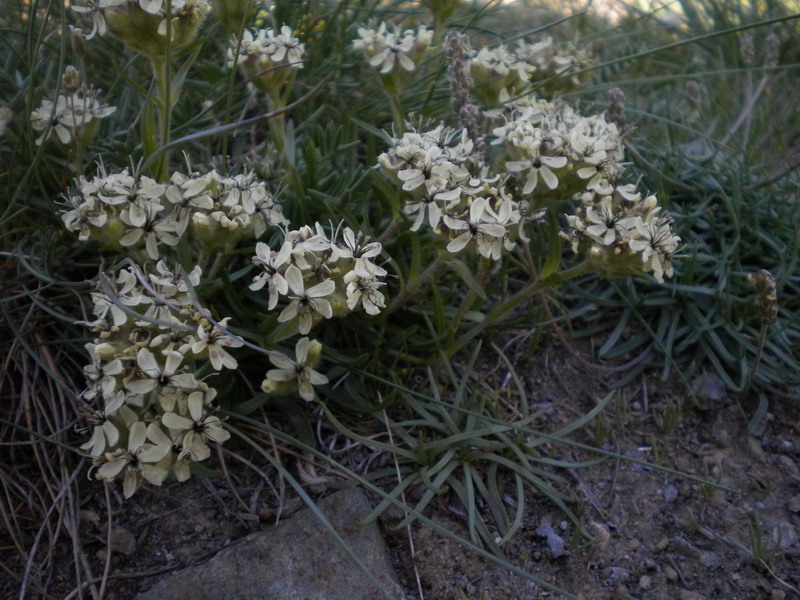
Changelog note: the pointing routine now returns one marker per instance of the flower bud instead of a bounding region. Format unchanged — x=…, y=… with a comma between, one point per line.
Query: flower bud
x=105, y=350
x=77, y=41
x=613, y=262
x=6, y=116
x=236, y=14
x=766, y=300
x=71, y=80
x=146, y=32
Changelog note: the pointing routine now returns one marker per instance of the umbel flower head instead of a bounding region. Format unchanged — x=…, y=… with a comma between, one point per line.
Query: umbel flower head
x=71, y=117
x=553, y=152
x=267, y=58
x=233, y=13
x=446, y=182
x=128, y=211
x=622, y=233
x=143, y=24
x=319, y=276
x=501, y=73
x=149, y=416
x=296, y=374
x=394, y=53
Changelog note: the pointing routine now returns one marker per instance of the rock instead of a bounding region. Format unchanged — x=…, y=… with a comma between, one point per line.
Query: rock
x=755, y=448
x=783, y=536
x=122, y=541
x=711, y=560
x=621, y=593
x=789, y=463
x=669, y=493
x=295, y=560
x=794, y=504
x=638, y=454
x=777, y=595
x=710, y=390
x=689, y=595
x=645, y=581
x=670, y=573
x=615, y=575
x=554, y=541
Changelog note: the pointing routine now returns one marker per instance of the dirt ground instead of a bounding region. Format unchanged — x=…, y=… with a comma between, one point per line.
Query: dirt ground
x=655, y=535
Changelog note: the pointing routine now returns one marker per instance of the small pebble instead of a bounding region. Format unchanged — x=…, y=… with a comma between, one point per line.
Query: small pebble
x=669, y=493
x=615, y=575
x=670, y=573
x=621, y=593
x=122, y=541
x=645, y=582
x=777, y=595
x=554, y=541
x=689, y=595
x=662, y=544
x=789, y=463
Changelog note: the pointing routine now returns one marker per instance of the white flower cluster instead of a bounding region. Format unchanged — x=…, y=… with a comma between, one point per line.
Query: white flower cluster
x=297, y=374
x=320, y=277
x=134, y=211
x=151, y=415
x=620, y=232
x=99, y=8
x=447, y=184
x=502, y=72
x=72, y=116
x=557, y=154
x=550, y=153
x=265, y=56
x=391, y=51
x=552, y=148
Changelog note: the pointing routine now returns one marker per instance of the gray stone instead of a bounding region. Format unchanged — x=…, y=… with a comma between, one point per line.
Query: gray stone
x=669, y=493
x=122, y=541
x=783, y=536
x=554, y=541
x=710, y=390
x=615, y=575
x=296, y=560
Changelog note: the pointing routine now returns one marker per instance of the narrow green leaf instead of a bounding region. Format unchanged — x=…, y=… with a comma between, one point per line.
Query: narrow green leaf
x=466, y=275
x=149, y=130
x=554, y=245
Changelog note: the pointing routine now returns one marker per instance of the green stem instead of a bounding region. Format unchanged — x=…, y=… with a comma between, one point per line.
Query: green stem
x=414, y=286
x=762, y=338
x=390, y=231
x=469, y=300
x=526, y=293
x=397, y=114
x=277, y=126
x=161, y=68
x=218, y=262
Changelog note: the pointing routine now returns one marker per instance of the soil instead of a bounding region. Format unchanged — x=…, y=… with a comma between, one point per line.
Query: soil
x=654, y=534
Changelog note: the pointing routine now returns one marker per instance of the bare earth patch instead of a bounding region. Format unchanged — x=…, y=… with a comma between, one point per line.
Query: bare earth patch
x=655, y=535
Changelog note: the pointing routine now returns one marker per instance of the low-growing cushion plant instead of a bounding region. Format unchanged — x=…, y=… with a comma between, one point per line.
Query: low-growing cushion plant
x=226, y=210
